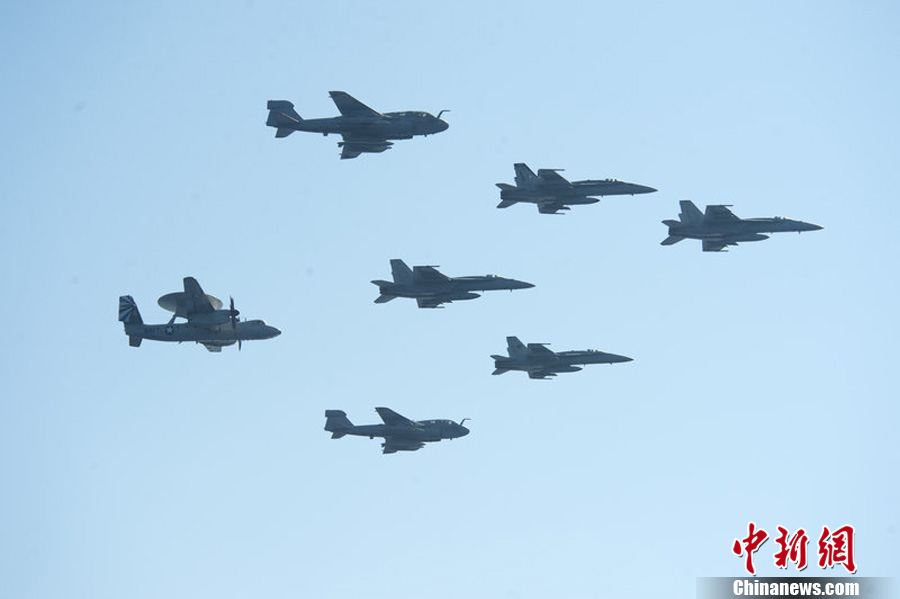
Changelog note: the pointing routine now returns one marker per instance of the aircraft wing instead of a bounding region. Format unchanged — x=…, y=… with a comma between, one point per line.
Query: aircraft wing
x=719, y=214
x=198, y=302
x=551, y=207
x=429, y=302
x=428, y=274
x=350, y=106
x=540, y=374
x=540, y=350
x=392, y=418
x=354, y=145
x=714, y=245
x=550, y=177
x=395, y=444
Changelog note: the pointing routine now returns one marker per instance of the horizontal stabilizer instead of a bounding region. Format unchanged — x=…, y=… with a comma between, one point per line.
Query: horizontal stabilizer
x=506, y=203
x=500, y=370
x=506, y=186
x=672, y=223
x=383, y=299
x=283, y=116
x=671, y=239
x=337, y=424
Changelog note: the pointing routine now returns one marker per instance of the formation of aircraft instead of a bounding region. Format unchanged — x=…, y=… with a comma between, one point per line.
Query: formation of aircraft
x=362, y=128
x=552, y=192
x=400, y=433
x=365, y=130
x=718, y=227
x=540, y=362
x=207, y=323
x=431, y=288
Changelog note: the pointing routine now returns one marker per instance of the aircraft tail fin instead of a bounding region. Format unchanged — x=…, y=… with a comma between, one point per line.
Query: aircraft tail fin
x=282, y=116
x=689, y=212
x=128, y=310
x=401, y=272
x=671, y=240
x=337, y=423
x=515, y=347
x=524, y=175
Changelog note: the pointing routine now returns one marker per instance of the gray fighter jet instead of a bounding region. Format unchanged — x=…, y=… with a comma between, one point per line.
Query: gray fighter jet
x=552, y=192
x=363, y=129
x=540, y=362
x=207, y=323
x=719, y=227
x=400, y=434
x=432, y=288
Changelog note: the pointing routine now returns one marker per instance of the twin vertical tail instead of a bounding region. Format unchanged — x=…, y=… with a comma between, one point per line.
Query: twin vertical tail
x=337, y=423
x=402, y=274
x=129, y=314
x=689, y=212
x=524, y=175
x=283, y=117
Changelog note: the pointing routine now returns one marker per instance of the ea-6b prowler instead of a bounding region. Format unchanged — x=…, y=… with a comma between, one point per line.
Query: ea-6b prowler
x=718, y=227
x=400, y=434
x=363, y=129
x=540, y=362
x=432, y=288
x=207, y=323
x=552, y=192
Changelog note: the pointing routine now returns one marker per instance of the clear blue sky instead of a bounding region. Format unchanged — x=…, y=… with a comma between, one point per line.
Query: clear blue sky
x=764, y=385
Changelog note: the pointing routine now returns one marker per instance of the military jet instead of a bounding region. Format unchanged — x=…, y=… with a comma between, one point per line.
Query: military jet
x=432, y=288
x=540, y=362
x=207, y=323
x=363, y=129
x=552, y=192
x=719, y=227
x=400, y=434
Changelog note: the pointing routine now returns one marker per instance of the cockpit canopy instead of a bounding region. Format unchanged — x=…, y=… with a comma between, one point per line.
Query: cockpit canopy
x=416, y=113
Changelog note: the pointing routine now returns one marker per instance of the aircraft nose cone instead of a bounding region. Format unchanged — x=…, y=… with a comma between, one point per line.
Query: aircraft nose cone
x=275, y=332
x=524, y=285
x=464, y=431
x=442, y=125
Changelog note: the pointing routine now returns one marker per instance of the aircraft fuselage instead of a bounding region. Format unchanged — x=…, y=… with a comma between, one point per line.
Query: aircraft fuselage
x=387, y=126
x=576, y=193
x=749, y=229
x=561, y=362
x=458, y=288
x=226, y=334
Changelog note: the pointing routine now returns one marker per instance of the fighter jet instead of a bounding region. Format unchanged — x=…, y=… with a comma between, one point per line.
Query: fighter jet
x=207, y=323
x=400, y=434
x=552, y=192
x=540, y=362
x=431, y=288
x=719, y=227
x=363, y=129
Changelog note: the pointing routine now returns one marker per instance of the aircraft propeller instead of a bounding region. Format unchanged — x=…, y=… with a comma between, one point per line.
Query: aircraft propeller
x=232, y=312
x=234, y=317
